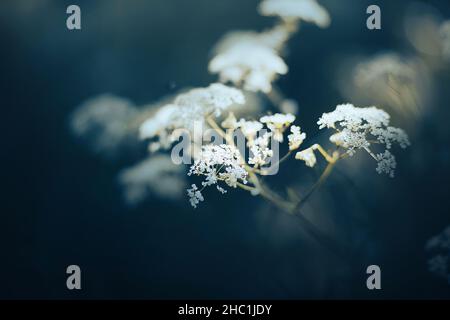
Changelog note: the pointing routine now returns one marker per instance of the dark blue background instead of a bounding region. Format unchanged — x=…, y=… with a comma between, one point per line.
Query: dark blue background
x=61, y=205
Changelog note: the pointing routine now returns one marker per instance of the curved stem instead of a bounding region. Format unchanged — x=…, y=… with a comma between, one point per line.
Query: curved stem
x=286, y=206
x=340, y=250
x=325, y=174
x=325, y=154
x=264, y=172
x=245, y=187
x=216, y=127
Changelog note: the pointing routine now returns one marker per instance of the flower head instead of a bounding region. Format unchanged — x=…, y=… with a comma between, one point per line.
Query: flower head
x=222, y=163
x=260, y=151
x=360, y=128
x=307, y=156
x=386, y=163
x=156, y=175
x=195, y=196
x=189, y=109
x=250, y=59
x=104, y=123
x=296, y=138
x=249, y=128
x=306, y=10
x=439, y=247
x=445, y=36
x=277, y=123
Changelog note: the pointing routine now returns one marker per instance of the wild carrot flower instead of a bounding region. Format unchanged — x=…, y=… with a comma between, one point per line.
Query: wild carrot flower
x=260, y=150
x=360, y=128
x=157, y=175
x=306, y=10
x=247, y=58
x=392, y=81
x=195, y=196
x=439, y=247
x=295, y=138
x=307, y=156
x=188, y=110
x=222, y=163
x=249, y=129
x=103, y=122
x=445, y=36
x=278, y=123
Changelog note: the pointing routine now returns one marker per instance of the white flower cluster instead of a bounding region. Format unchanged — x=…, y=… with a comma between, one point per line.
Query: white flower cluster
x=157, y=175
x=383, y=68
x=103, y=122
x=253, y=60
x=189, y=109
x=249, y=59
x=445, y=36
x=260, y=151
x=296, y=138
x=307, y=156
x=359, y=128
x=306, y=10
x=392, y=81
x=439, y=247
x=217, y=163
x=226, y=163
x=278, y=123
x=249, y=129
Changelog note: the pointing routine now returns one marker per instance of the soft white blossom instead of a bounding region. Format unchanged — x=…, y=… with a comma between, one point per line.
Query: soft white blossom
x=104, y=123
x=249, y=128
x=156, y=175
x=440, y=241
x=250, y=59
x=382, y=67
x=360, y=128
x=445, y=38
x=296, y=138
x=402, y=84
x=307, y=156
x=439, y=247
x=217, y=163
x=195, y=196
x=306, y=10
x=260, y=150
x=386, y=163
x=277, y=123
x=188, y=110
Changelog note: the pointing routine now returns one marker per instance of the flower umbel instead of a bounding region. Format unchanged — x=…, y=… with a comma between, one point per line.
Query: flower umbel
x=360, y=128
x=278, y=123
x=307, y=10
x=221, y=163
x=187, y=110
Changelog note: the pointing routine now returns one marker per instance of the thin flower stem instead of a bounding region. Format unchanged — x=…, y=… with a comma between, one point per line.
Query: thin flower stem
x=285, y=205
x=323, y=177
x=245, y=187
x=323, y=153
x=216, y=127
x=264, y=172
x=340, y=250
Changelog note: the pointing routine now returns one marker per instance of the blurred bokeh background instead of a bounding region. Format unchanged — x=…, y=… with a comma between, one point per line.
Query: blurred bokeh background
x=62, y=205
